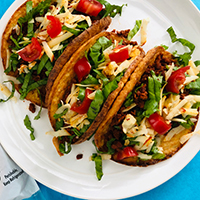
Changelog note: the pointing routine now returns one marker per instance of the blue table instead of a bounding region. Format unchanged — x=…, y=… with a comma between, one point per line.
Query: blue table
x=184, y=186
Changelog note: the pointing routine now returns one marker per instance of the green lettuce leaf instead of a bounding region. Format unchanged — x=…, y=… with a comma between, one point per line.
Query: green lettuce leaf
x=95, y=106
x=42, y=63
x=90, y=80
x=95, y=54
x=154, y=88
x=136, y=28
x=183, y=59
x=102, y=77
x=111, y=86
x=110, y=10
x=62, y=147
x=27, y=123
x=194, y=86
x=98, y=165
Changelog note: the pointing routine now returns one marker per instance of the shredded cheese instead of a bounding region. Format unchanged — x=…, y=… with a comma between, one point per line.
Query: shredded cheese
x=143, y=30
x=76, y=120
x=58, y=133
x=173, y=132
x=169, y=71
x=128, y=123
x=59, y=39
x=144, y=156
x=48, y=51
x=4, y=89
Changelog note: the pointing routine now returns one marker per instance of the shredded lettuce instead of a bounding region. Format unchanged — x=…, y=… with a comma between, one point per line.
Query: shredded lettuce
x=16, y=43
x=49, y=67
x=71, y=30
x=57, y=116
x=82, y=25
x=27, y=123
x=111, y=86
x=24, y=87
x=154, y=87
x=187, y=124
x=183, y=59
x=42, y=63
x=109, y=146
x=95, y=54
x=164, y=46
x=110, y=10
x=194, y=86
x=59, y=124
x=136, y=28
x=62, y=147
x=155, y=152
x=76, y=132
x=81, y=94
x=197, y=62
x=129, y=100
x=13, y=62
x=27, y=88
x=95, y=106
x=98, y=165
x=102, y=77
x=90, y=80
x=29, y=7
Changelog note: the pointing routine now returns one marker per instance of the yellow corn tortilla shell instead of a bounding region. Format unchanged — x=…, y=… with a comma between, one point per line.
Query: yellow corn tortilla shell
x=67, y=74
x=102, y=131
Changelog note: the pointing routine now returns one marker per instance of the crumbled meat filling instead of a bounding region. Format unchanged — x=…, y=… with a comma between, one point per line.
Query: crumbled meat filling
x=32, y=107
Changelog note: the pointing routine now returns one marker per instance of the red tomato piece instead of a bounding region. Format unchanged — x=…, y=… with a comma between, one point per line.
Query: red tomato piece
x=119, y=54
x=126, y=153
x=158, y=123
x=89, y=7
x=32, y=51
x=82, y=68
x=54, y=28
x=82, y=107
x=176, y=79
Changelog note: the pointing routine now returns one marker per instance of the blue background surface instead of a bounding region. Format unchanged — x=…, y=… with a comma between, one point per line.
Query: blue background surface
x=184, y=186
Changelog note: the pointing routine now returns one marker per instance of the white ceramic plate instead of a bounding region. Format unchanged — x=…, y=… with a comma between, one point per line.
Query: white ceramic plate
x=77, y=177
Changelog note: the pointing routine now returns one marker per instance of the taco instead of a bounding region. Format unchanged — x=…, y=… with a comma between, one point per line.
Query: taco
x=158, y=113
x=41, y=34
x=87, y=86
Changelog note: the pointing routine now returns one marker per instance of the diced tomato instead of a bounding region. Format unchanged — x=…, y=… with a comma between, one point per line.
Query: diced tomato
x=54, y=28
x=119, y=54
x=89, y=7
x=82, y=68
x=176, y=79
x=126, y=152
x=158, y=123
x=82, y=107
x=32, y=51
